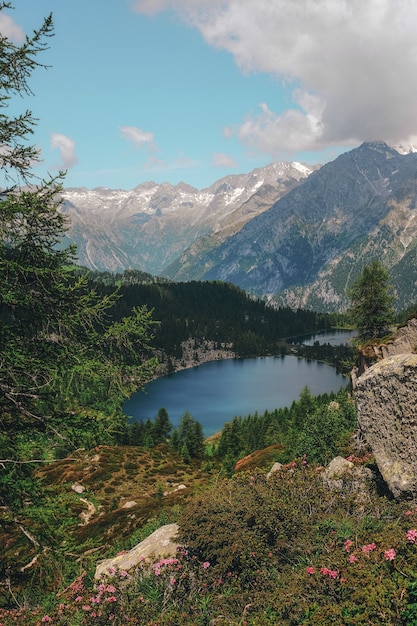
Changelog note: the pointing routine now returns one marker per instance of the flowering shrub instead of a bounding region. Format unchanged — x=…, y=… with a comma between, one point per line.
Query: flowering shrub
x=261, y=553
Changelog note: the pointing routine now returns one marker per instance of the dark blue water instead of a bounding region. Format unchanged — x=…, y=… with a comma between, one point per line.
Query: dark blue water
x=333, y=337
x=217, y=391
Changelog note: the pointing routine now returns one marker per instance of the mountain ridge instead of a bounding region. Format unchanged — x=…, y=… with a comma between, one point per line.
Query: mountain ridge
x=296, y=235
x=149, y=226
x=309, y=246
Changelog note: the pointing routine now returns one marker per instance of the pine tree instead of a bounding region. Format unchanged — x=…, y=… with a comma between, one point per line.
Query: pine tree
x=162, y=427
x=372, y=302
x=64, y=370
x=188, y=436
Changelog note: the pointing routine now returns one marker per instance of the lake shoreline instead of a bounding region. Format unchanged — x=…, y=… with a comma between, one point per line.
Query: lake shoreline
x=226, y=387
x=193, y=356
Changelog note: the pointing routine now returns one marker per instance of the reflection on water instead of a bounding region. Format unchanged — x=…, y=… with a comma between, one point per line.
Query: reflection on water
x=333, y=337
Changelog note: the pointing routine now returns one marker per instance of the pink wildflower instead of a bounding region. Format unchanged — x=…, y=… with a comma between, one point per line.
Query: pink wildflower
x=46, y=618
x=311, y=570
x=352, y=558
x=369, y=547
x=111, y=599
x=123, y=574
x=206, y=564
x=408, y=513
x=348, y=545
x=412, y=535
x=110, y=588
x=78, y=599
x=390, y=554
x=172, y=581
x=329, y=572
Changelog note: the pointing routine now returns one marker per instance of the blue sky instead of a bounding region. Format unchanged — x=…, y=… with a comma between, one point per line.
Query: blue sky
x=194, y=90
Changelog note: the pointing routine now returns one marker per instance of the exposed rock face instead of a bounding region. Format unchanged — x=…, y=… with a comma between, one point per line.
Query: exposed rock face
x=343, y=475
x=275, y=468
x=404, y=342
x=160, y=544
x=313, y=242
x=150, y=226
x=386, y=399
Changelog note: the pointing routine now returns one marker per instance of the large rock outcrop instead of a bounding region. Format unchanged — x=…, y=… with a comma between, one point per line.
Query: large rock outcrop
x=162, y=543
x=386, y=399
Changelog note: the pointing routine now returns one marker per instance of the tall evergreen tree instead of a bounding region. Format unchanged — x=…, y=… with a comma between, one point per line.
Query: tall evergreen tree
x=162, y=427
x=372, y=301
x=62, y=366
x=188, y=437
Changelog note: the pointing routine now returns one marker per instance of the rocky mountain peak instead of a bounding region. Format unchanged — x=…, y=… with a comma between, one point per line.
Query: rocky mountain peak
x=151, y=225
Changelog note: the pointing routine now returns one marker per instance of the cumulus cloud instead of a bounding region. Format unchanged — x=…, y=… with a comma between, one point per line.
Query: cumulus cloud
x=9, y=28
x=66, y=147
x=137, y=136
x=220, y=159
x=350, y=65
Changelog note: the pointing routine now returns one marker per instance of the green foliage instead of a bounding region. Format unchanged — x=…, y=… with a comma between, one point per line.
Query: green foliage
x=188, y=438
x=65, y=367
x=149, y=433
x=314, y=426
x=318, y=429
x=372, y=311
x=260, y=552
x=211, y=311
x=16, y=66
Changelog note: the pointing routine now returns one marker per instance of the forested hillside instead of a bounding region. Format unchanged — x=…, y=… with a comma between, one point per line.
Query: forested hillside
x=210, y=311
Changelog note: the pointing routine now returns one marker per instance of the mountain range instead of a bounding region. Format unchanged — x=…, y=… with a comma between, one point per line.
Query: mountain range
x=295, y=234
x=148, y=227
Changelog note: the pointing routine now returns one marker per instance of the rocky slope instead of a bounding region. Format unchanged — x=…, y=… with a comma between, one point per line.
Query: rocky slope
x=150, y=226
x=308, y=247
x=284, y=232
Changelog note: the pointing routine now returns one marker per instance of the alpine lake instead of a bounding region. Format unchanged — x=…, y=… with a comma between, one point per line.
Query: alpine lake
x=217, y=391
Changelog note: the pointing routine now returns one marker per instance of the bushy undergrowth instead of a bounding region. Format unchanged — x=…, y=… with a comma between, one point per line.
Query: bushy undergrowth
x=261, y=552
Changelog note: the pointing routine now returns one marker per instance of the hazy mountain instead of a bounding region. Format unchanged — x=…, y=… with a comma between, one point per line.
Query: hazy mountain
x=309, y=246
x=152, y=225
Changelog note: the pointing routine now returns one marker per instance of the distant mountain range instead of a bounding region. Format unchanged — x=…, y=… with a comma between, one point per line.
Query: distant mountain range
x=148, y=227
x=295, y=234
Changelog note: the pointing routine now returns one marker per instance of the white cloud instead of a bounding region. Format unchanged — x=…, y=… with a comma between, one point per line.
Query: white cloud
x=66, y=147
x=220, y=159
x=9, y=28
x=137, y=136
x=350, y=65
